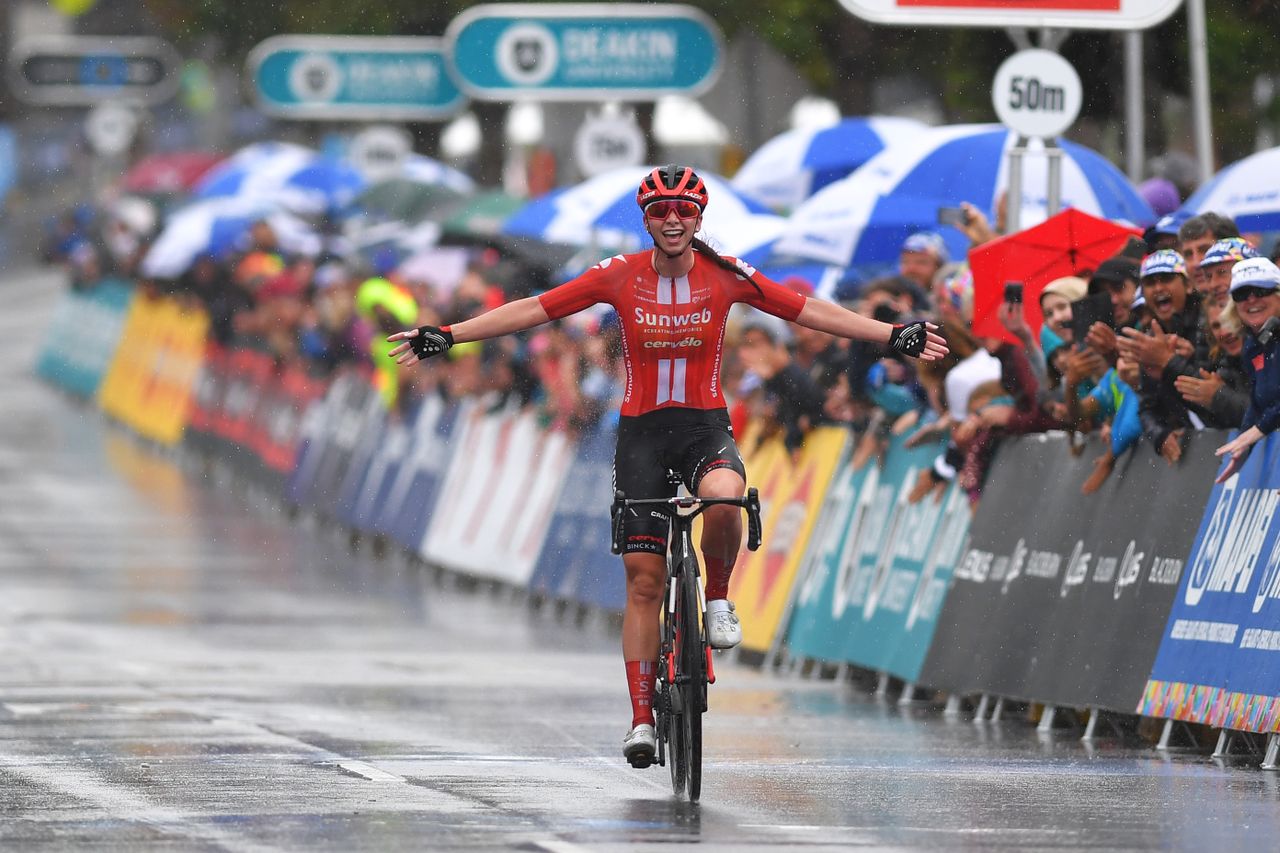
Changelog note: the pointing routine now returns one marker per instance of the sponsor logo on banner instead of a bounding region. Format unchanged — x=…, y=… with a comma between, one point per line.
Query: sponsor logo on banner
x=790, y=497
x=880, y=568
x=1217, y=663
x=1067, y=605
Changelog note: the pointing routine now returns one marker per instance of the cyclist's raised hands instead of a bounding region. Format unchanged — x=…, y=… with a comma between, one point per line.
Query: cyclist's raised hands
x=918, y=339
x=422, y=342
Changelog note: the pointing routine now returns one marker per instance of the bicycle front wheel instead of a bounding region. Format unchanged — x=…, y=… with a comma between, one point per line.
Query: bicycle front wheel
x=693, y=682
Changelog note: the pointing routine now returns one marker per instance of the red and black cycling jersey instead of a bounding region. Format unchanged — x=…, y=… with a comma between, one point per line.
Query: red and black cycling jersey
x=672, y=328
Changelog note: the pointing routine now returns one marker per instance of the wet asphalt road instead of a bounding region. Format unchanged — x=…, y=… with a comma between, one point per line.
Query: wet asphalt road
x=181, y=668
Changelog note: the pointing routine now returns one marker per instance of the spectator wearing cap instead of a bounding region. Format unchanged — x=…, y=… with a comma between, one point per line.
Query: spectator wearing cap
x=1118, y=278
x=1057, y=333
x=1164, y=233
x=1255, y=290
x=922, y=255
x=1215, y=268
x=1198, y=234
x=1173, y=343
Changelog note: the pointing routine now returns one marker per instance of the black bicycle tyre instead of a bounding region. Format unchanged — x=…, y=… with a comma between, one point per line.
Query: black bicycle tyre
x=671, y=723
x=693, y=668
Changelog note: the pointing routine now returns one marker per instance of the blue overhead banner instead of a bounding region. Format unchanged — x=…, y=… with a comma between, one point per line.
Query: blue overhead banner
x=880, y=566
x=85, y=70
x=1219, y=658
x=583, y=51
x=353, y=77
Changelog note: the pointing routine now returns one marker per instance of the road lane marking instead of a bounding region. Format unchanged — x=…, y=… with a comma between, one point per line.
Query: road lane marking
x=368, y=771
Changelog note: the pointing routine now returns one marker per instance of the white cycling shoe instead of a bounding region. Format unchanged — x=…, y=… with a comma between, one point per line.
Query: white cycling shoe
x=724, y=631
x=640, y=746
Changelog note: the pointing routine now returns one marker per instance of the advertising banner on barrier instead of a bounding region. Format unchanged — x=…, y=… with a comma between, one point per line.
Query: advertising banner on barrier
x=879, y=566
x=83, y=336
x=150, y=382
x=791, y=494
x=1219, y=658
x=406, y=512
x=576, y=563
x=1062, y=597
x=504, y=478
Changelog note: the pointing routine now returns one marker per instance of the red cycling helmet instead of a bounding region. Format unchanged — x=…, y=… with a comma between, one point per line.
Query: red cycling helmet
x=672, y=182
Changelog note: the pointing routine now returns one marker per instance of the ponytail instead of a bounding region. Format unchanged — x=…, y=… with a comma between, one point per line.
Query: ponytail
x=724, y=263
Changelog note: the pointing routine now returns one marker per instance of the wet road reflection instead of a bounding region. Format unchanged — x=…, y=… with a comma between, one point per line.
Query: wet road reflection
x=183, y=668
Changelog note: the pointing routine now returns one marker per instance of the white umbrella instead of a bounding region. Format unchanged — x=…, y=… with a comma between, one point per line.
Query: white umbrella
x=1248, y=191
x=864, y=219
x=794, y=165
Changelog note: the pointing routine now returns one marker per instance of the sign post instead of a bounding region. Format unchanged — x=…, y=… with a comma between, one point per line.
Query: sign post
x=70, y=71
x=1036, y=94
x=583, y=51
x=353, y=77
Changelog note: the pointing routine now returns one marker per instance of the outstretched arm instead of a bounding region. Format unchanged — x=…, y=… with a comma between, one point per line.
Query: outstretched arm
x=831, y=318
x=503, y=320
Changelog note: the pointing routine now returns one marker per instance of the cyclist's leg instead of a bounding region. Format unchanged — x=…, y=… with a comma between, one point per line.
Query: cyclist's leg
x=713, y=468
x=721, y=529
x=639, y=473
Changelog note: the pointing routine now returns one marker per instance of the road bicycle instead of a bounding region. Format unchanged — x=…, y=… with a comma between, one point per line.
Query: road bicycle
x=685, y=668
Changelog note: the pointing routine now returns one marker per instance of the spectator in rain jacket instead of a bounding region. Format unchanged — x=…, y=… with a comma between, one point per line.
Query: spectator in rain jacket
x=1255, y=290
x=1173, y=343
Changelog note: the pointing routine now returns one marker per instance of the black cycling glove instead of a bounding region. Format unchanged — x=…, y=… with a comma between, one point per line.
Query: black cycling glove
x=431, y=340
x=909, y=338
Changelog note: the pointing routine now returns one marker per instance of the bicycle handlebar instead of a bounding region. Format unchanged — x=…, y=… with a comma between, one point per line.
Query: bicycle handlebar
x=672, y=506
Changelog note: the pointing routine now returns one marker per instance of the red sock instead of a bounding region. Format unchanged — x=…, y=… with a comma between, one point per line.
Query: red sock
x=718, y=572
x=641, y=676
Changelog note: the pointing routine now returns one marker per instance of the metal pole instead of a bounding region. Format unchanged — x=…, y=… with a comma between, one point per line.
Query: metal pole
x=1054, y=195
x=1135, y=132
x=1203, y=122
x=1013, y=196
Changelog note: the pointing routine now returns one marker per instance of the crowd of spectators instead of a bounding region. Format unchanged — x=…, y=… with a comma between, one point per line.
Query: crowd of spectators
x=1170, y=342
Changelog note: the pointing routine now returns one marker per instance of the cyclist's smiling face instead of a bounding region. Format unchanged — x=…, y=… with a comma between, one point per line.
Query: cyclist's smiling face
x=672, y=234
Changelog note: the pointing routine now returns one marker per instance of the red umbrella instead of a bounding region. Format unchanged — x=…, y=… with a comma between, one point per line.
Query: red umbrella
x=1070, y=243
x=175, y=172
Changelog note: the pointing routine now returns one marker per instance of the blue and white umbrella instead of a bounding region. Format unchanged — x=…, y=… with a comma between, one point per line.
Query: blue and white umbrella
x=290, y=175
x=218, y=227
x=789, y=168
x=602, y=212
x=1248, y=191
x=862, y=220
x=423, y=170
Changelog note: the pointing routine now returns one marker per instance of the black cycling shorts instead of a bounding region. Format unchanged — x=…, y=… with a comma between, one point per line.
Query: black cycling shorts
x=658, y=451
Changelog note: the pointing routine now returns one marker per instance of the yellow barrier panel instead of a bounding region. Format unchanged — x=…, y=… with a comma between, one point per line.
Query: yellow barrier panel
x=148, y=386
x=791, y=496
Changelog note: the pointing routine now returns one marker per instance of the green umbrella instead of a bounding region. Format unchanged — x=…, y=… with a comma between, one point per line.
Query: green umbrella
x=481, y=215
x=403, y=200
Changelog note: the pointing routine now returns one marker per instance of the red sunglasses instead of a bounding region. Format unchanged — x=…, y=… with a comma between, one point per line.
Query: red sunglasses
x=662, y=209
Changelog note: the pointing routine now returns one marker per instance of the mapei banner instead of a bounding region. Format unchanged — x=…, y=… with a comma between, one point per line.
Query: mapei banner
x=1062, y=597
x=879, y=566
x=791, y=494
x=1219, y=659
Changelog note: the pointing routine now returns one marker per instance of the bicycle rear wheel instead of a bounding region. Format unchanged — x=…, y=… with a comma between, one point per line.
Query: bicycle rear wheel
x=692, y=655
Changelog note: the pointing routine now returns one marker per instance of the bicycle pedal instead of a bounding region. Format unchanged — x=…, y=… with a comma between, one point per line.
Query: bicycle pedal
x=641, y=761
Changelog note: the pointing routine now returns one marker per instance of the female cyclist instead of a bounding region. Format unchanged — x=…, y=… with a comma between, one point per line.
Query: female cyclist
x=673, y=303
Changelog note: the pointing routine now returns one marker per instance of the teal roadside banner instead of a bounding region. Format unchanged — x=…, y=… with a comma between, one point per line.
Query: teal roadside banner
x=376, y=78
x=583, y=51
x=880, y=566
x=83, y=337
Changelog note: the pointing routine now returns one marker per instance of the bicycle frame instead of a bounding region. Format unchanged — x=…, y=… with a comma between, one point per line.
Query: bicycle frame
x=685, y=667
